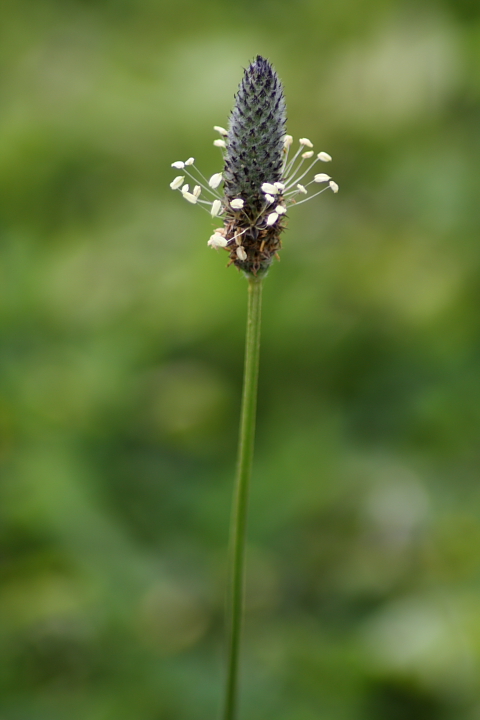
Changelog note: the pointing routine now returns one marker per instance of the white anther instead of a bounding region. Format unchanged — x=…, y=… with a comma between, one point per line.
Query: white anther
x=306, y=142
x=217, y=241
x=190, y=197
x=237, y=204
x=302, y=189
x=197, y=190
x=280, y=210
x=179, y=165
x=321, y=177
x=272, y=218
x=215, y=180
x=269, y=198
x=185, y=188
x=238, y=239
x=216, y=207
x=269, y=188
x=287, y=141
x=241, y=254
x=219, y=143
x=220, y=130
x=280, y=186
x=307, y=154
x=333, y=186
x=324, y=157
x=190, y=161
x=175, y=184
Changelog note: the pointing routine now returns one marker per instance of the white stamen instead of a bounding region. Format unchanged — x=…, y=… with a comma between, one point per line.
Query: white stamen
x=302, y=189
x=219, y=143
x=190, y=161
x=238, y=239
x=215, y=180
x=324, y=157
x=321, y=177
x=175, y=184
x=307, y=154
x=237, y=204
x=185, y=188
x=287, y=141
x=241, y=254
x=306, y=142
x=280, y=186
x=190, y=197
x=333, y=186
x=197, y=190
x=216, y=207
x=179, y=165
x=272, y=218
x=269, y=188
x=217, y=241
x=280, y=210
x=220, y=130
x=269, y=198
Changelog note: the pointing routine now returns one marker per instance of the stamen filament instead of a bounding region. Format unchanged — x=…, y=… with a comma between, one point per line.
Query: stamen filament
x=285, y=159
x=292, y=180
x=206, y=187
x=288, y=167
x=312, y=196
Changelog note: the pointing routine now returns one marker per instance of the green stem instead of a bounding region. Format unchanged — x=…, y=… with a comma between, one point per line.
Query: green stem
x=240, y=505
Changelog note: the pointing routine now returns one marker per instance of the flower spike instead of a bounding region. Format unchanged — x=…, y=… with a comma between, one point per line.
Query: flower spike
x=260, y=180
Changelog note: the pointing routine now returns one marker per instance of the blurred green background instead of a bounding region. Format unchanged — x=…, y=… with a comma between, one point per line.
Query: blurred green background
x=121, y=361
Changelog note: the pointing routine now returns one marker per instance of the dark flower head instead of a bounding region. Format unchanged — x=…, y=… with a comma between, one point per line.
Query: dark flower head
x=259, y=179
x=254, y=152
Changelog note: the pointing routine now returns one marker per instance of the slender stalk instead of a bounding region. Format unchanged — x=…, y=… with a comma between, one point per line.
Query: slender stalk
x=240, y=505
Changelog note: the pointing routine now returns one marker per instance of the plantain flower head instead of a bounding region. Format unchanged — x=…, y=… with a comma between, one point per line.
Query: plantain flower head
x=260, y=179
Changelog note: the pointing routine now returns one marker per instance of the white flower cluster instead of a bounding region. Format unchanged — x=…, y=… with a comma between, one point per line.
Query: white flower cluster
x=278, y=196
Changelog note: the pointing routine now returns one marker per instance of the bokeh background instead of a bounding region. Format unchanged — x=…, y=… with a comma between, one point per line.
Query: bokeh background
x=121, y=361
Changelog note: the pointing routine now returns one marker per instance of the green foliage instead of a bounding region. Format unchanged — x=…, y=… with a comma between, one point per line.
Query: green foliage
x=121, y=360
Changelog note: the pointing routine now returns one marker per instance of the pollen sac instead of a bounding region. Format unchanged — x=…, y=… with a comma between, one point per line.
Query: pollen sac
x=255, y=140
